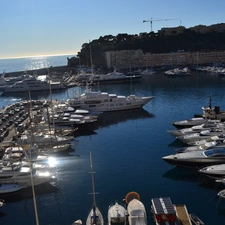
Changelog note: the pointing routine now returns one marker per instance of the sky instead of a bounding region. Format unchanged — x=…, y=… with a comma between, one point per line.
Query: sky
x=57, y=27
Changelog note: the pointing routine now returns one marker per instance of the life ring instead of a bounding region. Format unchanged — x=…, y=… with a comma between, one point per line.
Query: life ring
x=132, y=195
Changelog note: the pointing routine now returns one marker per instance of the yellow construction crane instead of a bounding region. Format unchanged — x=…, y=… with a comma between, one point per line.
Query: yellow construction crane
x=151, y=20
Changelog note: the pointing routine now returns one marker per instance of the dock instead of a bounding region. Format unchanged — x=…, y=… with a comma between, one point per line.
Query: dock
x=182, y=214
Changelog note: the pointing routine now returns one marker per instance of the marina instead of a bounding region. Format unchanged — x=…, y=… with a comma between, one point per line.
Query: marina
x=127, y=149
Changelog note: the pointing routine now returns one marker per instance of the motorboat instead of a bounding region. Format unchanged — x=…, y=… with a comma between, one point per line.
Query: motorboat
x=22, y=175
x=218, y=139
x=215, y=171
x=178, y=72
x=95, y=216
x=135, y=209
x=197, y=159
x=165, y=212
x=104, y=102
x=221, y=193
x=189, y=123
x=6, y=189
x=192, y=138
x=77, y=222
x=196, y=220
x=204, y=146
x=195, y=129
x=117, y=214
x=32, y=84
x=43, y=139
x=114, y=77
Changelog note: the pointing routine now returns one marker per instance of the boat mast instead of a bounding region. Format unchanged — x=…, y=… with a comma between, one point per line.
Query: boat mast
x=92, y=179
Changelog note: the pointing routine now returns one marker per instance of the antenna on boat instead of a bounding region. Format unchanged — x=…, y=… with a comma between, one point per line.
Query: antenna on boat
x=210, y=101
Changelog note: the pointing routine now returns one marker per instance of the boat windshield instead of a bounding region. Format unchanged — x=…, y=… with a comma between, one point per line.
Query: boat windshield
x=215, y=152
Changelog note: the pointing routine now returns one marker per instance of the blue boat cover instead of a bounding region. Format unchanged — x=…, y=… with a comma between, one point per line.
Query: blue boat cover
x=162, y=206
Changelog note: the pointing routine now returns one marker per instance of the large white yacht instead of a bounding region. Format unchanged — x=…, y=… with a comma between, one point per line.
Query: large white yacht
x=114, y=76
x=103, y=102
x=22, y=176
x=32, y=84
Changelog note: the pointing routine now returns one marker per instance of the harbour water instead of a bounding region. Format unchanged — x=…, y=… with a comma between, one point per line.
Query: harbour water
x=127, y=149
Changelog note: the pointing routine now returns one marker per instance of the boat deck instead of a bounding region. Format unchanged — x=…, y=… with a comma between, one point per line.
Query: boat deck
x=183, y=214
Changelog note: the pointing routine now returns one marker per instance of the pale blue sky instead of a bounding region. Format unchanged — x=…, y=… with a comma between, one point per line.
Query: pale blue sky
x=51, y=27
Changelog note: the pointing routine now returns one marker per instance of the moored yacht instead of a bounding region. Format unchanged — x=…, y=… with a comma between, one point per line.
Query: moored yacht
x=197, y=159
x=32, y=84
x=22, y=175
x=103, y=102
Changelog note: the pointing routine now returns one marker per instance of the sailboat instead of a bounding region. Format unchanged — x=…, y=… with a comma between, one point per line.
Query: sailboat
x=95, y=216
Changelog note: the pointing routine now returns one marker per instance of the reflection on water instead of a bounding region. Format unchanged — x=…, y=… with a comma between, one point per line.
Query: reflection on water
x=111, y=118
x=26, y=193
x=183, y=174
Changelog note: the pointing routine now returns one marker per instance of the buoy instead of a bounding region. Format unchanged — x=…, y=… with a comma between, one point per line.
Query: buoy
x=132, y=195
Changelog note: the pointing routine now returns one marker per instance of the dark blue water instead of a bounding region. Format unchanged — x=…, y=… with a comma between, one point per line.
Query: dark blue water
x=127, y=150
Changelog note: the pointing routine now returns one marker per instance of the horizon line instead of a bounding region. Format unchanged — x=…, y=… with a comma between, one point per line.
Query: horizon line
x=36, y=56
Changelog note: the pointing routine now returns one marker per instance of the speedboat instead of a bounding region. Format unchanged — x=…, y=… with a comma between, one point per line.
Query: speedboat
x=104, y=102
x=221, y=194
x=189, y=123
x=202, y=147
x=214, y=171
x=192, y=137
x=218, y=139
x=77, y=222
x=197, y=159
x=6, y=189
x=117, y=214
x=135, y=209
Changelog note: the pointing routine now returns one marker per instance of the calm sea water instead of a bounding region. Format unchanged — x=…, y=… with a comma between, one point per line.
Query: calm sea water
x=32, y=63
x=127, y=150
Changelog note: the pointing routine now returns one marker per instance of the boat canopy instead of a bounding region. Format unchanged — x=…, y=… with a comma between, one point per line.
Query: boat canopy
x=162, y=206
x=215, y=152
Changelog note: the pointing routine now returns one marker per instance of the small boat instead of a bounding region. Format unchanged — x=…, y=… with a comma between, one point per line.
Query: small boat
x=117, y=214
x=165, y=212
x=189, y=123
x=214, y=171
x=221, y=193
x=135, y=209
x=77, y=222
x=95, y=216
x=195, y=220
x=10, y=188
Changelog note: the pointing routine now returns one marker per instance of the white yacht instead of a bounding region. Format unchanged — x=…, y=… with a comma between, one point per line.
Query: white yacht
x=22, y=175
x=32, y=84
x=103, y=102
x=44, y=139
x=114, y=76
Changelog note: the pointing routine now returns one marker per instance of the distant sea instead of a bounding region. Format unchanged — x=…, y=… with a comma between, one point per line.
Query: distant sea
x=127, y=149
x=32, y=63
